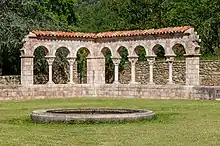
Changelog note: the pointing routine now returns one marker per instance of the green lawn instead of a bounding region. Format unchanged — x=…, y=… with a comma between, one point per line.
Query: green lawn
x=178, y=122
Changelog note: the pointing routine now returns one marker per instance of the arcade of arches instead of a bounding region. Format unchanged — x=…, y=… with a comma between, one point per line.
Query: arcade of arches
x=67, y=45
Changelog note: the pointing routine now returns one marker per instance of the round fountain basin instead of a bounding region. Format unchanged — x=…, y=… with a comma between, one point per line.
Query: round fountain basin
x=90, y=115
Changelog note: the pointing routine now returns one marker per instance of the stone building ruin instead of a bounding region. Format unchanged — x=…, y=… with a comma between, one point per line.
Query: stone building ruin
x=199, y=83
x=95, y=43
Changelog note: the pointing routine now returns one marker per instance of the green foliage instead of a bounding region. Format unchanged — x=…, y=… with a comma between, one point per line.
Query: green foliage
x=82, y=63
x=109, y=67
x=18, y=17
x=61, y=66
x=41, y=69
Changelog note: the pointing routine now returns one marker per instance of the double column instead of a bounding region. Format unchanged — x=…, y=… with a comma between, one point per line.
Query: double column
x=50, y=60
x=116, y=61
x=170, y=60
x=133, y=60
x=71, y=61
x=151, y=61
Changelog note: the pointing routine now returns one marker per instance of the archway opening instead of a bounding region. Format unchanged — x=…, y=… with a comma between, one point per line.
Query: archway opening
x=61, y=66
x=41, y=67
x=179, y=51
x=124, y=66
x=161, y=69
x=109, y=66
x=81, y=59
x=179, y=69
x=141, y=69
x=159, y=52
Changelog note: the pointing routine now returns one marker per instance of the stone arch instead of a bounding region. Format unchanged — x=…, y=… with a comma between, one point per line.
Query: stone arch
x=103, y=47
x=58, y=46
x=179, y=50
x=40, y=65
x=81, y=58
x=61, y=66
x=159, y=51
x=178, y=66
x=88, y=49
x=141, y=66
x=124, y=66
x=109, y=65
x=140, y=51
x=44, y=46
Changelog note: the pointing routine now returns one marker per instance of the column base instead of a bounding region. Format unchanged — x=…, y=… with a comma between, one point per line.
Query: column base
x=50, y=83
x=135, y=83
x=117, y=83
x=170, y=83
x=71, y=83
x=151, y=83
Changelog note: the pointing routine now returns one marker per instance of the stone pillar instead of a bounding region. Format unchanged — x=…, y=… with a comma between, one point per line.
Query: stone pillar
x=71, y=61
x=95, y=70
x=27, y=72
x=50, y=60
x=133, y=60
x=116, y=62
x=151, y=60
x=170, y=60
x=192, y=69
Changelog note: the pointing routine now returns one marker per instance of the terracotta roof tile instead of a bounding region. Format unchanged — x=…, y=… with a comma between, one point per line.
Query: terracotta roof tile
x=111, y=34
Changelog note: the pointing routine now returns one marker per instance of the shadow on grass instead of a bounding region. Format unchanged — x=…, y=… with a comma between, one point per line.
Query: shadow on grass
x=164, y=118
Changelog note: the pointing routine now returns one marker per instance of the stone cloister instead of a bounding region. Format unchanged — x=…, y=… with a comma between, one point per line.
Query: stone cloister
x=150, y=40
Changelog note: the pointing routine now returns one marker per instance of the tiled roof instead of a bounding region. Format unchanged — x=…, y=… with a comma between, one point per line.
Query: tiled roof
x=111, y=34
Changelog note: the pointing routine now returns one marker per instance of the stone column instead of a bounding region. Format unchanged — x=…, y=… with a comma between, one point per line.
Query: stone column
x=27, y=72
x=170, y=60
x=133, y=60
x=192, y=69
x=151, y=60
x=50, y=60
x=71, y=61
x=116, y=62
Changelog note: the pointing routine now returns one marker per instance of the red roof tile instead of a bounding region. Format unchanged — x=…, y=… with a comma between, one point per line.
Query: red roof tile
x=111, y=34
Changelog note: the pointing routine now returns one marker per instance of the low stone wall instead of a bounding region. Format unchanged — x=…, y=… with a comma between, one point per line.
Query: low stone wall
x=111, y=90
x=210, y=73
x=10, y=80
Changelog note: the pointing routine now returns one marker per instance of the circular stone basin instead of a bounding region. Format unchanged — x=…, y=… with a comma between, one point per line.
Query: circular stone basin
x=90, y=115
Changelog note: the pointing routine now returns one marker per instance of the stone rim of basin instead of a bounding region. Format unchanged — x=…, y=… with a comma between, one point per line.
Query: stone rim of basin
x=71, y=115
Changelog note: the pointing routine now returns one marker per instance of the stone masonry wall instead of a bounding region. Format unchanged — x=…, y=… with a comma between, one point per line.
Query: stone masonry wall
x=110, y=90
x=209, y=73
x=10, y=80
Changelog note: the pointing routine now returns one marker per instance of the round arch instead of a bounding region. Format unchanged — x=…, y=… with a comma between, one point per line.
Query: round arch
x=61, y=66
x=109, y=65
x=83, y=47
x=40, y=67
x=81, y=59
x=140, y=51
x=159, y=51
x=124, y=66
x=179, y=51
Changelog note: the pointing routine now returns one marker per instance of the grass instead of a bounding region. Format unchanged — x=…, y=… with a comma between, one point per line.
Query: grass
x=178, y=122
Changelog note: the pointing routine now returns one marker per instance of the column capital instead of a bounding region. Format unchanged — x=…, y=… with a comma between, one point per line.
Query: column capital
x=50, y=59
x=116, y=61
x=133, y=59
x=71, y=60
x=170, y=59
x=151, y=60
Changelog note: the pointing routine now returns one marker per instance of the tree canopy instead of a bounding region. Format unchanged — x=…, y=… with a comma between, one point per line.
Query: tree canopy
x=18, y=17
